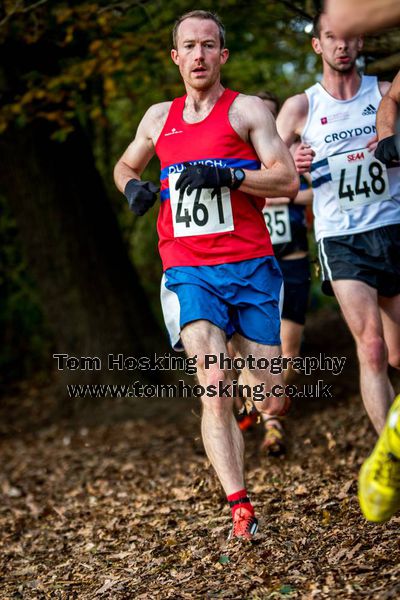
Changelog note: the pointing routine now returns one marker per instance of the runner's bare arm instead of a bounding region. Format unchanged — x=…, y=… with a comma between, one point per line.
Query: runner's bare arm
x=139, y=152
x=279, y=178
x=388, y=110
x=290, y=124
x=362, y=16
x=304, y=197
x=292, y=118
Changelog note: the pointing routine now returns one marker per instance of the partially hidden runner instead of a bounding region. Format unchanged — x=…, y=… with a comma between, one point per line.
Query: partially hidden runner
x=286, y=222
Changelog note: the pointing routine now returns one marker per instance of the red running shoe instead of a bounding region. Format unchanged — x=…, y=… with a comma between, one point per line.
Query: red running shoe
x=248, y=416
x=244, y=525
x=246, y=421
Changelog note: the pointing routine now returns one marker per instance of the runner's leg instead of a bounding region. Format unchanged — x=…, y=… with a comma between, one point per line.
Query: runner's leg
x=262, y=377
x=222, y=438
x=359, y=304
x=390, y=314
x=291, y=334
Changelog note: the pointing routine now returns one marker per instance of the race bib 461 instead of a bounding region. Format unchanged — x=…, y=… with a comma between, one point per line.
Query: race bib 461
x=358, y=178
x=202, y=212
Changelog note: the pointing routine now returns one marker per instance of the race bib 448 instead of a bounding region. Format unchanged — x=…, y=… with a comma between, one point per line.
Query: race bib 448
x=358, y=178
x=202, y=212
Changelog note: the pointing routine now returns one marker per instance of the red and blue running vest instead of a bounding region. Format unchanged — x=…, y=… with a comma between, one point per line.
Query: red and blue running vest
x=212, y=141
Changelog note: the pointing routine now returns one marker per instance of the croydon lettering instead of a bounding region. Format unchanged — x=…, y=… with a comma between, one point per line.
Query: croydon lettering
x=349, y=133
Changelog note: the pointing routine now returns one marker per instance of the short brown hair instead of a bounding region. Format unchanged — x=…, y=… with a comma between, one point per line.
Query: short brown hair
x=199, y=14
x=317, y=24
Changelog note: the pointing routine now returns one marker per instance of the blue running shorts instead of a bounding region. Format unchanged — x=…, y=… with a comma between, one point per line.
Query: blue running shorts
x=243, y=297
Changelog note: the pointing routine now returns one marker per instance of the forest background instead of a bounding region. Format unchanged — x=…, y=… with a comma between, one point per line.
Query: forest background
x=79, y=273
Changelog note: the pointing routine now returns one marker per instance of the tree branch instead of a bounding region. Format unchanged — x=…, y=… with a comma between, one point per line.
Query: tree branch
x=295, y=9
x=382, y=44
x=122, y=6
x=18, y=8
x=390, y=63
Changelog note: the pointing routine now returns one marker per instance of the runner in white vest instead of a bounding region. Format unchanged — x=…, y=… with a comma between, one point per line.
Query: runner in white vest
x=356, y=206
x=379, y=478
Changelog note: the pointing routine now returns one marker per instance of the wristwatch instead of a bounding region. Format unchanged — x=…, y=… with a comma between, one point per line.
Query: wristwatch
x=238, y=176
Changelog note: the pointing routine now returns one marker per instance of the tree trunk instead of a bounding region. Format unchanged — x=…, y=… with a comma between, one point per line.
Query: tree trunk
x=90, y=292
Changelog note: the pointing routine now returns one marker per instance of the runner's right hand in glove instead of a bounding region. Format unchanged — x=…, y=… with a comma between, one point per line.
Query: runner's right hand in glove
x=387, y=150
x=141, y=195
x=202, y=176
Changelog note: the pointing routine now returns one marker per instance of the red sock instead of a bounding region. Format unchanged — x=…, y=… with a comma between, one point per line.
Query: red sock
x=240, y=499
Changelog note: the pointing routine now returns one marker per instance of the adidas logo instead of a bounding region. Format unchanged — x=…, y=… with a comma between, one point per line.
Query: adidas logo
x=369, y=110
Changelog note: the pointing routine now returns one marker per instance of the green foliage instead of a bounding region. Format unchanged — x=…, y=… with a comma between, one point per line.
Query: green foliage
x=285, y=590
x=317, y=298
x=24, y=340
x=92, y=60
x=104, y=63
x=143, y=245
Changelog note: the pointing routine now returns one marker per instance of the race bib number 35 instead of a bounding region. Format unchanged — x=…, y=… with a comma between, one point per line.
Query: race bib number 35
x=359, y=178
x=202, y=212
x=278, y=223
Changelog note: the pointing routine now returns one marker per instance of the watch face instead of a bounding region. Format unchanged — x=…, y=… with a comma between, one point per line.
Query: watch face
x=239, y=174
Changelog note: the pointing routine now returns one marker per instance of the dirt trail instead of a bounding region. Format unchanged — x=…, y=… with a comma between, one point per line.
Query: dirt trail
x=100, y=507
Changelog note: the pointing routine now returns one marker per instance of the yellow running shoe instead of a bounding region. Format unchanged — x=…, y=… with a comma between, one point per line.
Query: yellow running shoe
x=379, y=479
x=273, y=443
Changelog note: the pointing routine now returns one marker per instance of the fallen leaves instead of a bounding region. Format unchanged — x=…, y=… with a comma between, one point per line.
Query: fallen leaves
x=301, y=490
x=108, y=584
x=131, y=510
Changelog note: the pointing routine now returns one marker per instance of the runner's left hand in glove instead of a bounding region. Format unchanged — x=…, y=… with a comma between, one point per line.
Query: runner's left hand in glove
x=141, y=195
x=387, y=150
x=202, y=176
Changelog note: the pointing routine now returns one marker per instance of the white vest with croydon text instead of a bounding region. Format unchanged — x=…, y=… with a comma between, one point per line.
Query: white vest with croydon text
x=353, y=191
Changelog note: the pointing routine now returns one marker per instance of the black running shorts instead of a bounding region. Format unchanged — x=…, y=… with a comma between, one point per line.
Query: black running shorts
x=296, y=279
x=372, y=257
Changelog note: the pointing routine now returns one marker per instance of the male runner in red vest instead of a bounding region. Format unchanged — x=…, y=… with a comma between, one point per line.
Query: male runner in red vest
x=220, y=278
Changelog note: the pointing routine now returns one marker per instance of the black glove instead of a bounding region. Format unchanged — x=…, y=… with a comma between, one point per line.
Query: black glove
x=141, y=195
x=387, y=151
x=201, y=176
